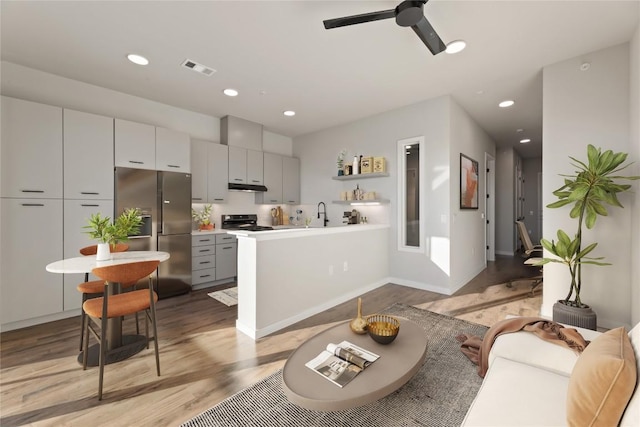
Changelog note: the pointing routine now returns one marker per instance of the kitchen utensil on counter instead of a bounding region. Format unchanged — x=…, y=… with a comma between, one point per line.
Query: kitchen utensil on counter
x=359, y=324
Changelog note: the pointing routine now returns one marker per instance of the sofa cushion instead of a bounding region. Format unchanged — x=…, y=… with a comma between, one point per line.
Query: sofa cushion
x=602, y=381
x=514, y=393
x=528, y=348
x=631, y=415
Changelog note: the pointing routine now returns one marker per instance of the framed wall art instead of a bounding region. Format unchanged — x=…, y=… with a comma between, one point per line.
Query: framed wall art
x=468, y=183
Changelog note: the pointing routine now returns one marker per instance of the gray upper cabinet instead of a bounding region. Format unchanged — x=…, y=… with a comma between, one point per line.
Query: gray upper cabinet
x=217, y=185
x=291, y=180
x=199, y=170
x=272, y=180
x=31, y=150
x=135, y=145
x=173, y=151
x=88, y=156
x=209, y=172
x=237, y=165
x=245, y=166
x=255, y=167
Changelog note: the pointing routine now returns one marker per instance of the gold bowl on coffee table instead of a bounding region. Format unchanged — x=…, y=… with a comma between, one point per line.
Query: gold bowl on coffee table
x=383, y=328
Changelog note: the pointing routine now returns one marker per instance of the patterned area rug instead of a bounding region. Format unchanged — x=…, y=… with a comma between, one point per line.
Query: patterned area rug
x=438, y=395
x=227, y=296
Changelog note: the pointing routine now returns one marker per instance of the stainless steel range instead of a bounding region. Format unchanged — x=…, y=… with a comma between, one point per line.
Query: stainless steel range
x=243, y=222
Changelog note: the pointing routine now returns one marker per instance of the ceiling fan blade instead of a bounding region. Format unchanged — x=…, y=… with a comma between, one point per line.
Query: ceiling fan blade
x=428, y=35
x=359, y=19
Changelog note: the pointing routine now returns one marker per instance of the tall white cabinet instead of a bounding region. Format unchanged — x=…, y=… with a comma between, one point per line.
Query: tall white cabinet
x=31, y=238
x=88, y=156
x=88, y=186
x=30, y=209
x=31, y=142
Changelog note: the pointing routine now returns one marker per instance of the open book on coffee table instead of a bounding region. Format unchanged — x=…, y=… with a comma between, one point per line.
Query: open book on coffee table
x=340, y=363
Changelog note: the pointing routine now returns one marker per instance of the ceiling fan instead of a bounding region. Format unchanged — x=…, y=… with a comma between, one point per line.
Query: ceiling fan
x=407, y=14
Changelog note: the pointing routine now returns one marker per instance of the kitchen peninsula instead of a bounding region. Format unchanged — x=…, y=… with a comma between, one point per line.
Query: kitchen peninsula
x=287, y=275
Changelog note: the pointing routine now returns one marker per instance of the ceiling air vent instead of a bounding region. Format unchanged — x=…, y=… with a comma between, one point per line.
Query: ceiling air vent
x=202, y=69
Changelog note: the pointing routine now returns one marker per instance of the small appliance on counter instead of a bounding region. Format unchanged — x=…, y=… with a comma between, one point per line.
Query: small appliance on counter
x=352, y=217
x=247, y=222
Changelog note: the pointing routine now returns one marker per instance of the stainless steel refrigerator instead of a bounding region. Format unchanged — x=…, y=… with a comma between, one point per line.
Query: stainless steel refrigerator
x=164, y=198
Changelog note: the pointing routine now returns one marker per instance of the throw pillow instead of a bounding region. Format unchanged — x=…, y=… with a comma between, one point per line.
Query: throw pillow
x=602, y=381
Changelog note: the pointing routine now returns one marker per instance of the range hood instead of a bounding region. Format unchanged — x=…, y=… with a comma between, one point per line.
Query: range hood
x=251, y=188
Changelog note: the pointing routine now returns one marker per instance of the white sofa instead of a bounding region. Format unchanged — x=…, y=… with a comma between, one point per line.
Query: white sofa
x=528, y=381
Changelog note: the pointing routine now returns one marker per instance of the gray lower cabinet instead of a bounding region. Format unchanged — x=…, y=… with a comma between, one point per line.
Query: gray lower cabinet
x=214, y=258
x=226, y=256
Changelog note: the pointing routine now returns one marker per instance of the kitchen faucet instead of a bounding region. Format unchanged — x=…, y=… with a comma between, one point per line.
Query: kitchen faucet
x=324, y=213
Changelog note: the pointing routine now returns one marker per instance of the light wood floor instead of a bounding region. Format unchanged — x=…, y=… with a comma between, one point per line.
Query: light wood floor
x=203, y=358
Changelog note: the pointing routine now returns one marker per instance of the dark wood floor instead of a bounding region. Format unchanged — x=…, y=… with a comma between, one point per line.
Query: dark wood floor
x=203, y=358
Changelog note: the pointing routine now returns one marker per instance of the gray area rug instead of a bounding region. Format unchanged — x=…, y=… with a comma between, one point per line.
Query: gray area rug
x=438, y=395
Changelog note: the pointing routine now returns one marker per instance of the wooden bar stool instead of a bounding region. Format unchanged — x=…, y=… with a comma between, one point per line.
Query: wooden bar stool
x=94, y=288
x=100, y=310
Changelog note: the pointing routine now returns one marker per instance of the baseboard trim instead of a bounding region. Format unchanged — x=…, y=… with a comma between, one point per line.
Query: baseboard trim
x=421, y=285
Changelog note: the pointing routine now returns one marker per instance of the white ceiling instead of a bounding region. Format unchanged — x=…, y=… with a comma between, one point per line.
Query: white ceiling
x=279, y=56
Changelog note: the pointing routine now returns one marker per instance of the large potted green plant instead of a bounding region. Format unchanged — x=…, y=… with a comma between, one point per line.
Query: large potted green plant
x=594, y=184
x=110, y=233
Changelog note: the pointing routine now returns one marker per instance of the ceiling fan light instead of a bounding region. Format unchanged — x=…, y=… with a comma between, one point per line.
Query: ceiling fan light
x=455, y=46
x=137, y=59
x=506, y=103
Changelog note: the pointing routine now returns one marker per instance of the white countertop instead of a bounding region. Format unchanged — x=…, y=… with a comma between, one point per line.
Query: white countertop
x=300, y=231
x=202, y=233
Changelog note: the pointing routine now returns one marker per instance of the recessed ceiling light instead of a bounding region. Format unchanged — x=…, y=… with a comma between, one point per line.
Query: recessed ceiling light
x=507, y=103
x=456, y=46
x=289, y=113
x=230, y=92
x=137, y=59
x=524, y=141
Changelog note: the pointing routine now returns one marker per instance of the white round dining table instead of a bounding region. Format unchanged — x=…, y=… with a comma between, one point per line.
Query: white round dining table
x=120, y=346
x=84, y=264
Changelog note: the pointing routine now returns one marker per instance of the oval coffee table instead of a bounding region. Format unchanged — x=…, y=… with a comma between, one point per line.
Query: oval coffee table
x=398, y=362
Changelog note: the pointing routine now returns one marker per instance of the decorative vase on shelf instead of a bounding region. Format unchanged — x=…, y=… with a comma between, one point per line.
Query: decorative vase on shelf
x=104, y=252
x=205, y=227
x=340, y=172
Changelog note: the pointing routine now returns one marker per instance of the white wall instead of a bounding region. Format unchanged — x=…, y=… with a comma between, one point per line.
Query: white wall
x=377, y=136
x=634, y=151
x=468, y=227
x=582, y=107
x=530, y=170
x=506, y=159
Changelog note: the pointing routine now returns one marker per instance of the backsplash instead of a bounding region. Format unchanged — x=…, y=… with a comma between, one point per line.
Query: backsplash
x=243, y=203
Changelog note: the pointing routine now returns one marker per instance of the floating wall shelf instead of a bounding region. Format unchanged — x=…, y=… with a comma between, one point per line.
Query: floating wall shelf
x=360, y=176
x=361, y=202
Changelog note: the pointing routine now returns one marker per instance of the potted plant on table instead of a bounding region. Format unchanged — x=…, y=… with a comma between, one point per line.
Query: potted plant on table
x=203, y=218
x=110, y=233
x=593, y=184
